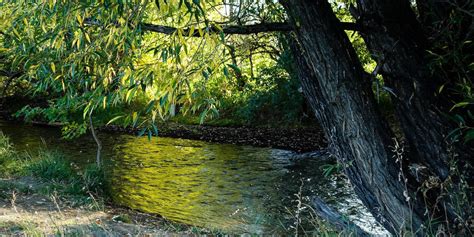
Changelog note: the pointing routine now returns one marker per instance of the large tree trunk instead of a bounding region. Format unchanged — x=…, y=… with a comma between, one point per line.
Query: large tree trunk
x=340, y=93
x=395, y=38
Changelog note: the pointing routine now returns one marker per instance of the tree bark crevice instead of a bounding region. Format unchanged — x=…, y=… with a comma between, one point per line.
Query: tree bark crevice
x=340, y=93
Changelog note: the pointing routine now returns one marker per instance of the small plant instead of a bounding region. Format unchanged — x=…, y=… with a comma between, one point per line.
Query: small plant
x=10, y=162
x=124, y=218
x=50, y=166
x=73, y=130
x=94, y=180
x=330, y=169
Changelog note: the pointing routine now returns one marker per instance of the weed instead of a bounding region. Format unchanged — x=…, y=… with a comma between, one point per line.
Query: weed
x=125, y=218
x=10, y=162
x=19, y=229
x=50, y=166
x=94, y=180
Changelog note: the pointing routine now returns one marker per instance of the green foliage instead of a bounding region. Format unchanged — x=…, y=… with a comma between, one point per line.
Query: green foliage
x=274, y=99
x=94, y=180
x=6, y=148
x=50, y=166
x=10, y=161
x=330, y=169
x=91, y=57
x=73, y=130
x=79, y=67
x=451, y=58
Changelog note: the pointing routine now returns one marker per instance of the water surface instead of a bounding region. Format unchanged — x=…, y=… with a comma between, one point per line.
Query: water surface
x=237, y=189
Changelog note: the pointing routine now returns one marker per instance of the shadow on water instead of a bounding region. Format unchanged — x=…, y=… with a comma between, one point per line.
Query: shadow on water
x=238, y=189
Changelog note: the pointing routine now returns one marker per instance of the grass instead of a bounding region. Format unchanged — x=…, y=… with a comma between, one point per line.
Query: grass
x=50, y=166
x=10, y=161
x=54, y=172
x=49, y=175
x=19, y=228
x=80, y=189
x=88, y=189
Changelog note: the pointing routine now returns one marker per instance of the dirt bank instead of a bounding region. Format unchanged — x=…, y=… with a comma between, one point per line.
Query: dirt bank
x=300, y=139
x=25, y=211
x=304, y=139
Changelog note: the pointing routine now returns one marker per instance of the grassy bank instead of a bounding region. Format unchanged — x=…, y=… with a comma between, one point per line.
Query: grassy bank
x=42, y=194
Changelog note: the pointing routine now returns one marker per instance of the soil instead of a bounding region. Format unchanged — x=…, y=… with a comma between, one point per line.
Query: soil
x=26, y=212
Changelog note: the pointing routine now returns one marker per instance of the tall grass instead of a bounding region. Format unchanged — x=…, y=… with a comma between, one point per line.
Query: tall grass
x=86, y=186
x=49, y=166
x=82, y=187
x=10, y=161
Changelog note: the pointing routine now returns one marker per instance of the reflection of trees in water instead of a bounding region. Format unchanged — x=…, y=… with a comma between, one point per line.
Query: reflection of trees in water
x=223, y=186
x=216, y=185
x=198, y=185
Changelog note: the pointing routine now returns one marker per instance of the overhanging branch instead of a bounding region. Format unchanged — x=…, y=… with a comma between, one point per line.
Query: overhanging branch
x=229, y=30
x=234, y=29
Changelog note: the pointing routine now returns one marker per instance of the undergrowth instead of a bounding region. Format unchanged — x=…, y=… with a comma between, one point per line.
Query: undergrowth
x=54, y=172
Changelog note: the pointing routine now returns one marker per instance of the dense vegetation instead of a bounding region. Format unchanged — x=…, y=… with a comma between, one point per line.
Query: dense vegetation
x=390, y=82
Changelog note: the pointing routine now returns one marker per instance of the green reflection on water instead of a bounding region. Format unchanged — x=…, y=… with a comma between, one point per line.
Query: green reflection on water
x=216, y=186
x=237, y=189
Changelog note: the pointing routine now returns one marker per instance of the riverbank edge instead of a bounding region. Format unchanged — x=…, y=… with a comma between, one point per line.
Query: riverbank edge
x=26, y=209
x=300, y=140
x=35, y=187
x=42, y=194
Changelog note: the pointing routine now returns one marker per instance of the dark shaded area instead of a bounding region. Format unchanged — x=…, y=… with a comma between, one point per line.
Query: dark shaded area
x=296, y=139
x=300, y=139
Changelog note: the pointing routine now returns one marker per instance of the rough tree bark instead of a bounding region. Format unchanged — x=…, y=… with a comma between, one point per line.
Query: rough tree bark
x=395, y=37
x=340, y=93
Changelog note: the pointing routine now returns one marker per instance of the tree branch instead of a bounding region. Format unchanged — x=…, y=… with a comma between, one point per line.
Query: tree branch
x=236, y=30
x=229, y=30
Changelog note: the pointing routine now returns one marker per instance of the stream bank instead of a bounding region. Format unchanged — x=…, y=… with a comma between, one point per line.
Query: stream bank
x=303, y=139
x=26, y=210
x=300, y=139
